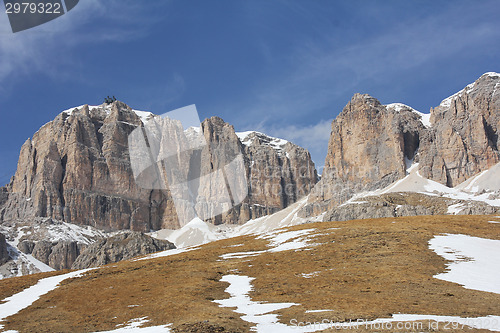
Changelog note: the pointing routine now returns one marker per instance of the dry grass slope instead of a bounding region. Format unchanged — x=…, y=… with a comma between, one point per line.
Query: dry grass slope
x=364, y=269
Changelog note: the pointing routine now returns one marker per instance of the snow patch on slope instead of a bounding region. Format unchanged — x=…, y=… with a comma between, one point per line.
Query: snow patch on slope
x=446, y=103
x=474, y=261
x=260, y=313
x=28, y=296
x=414, y=182
x=248, y=138
x=134, y=325
x=279, y=240
x=488, y=180
x=145, y=116
x=425, y=118
x=196, y=232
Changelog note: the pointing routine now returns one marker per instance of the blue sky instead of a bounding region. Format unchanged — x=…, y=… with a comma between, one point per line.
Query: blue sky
x=286, y=68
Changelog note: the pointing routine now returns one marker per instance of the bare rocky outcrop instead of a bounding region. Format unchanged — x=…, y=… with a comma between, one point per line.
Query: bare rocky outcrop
x=370, y=146
x=4, y=254
x=464, y=138
x=77, y=169
x=120, y=247
x=58, y=255
x=406, y=204
x=279, y=173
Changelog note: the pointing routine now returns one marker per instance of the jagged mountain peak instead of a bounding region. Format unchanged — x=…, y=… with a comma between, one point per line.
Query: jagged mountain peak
x=249, y=138
x=371, y=144
x=78, y=169
x=486, y=84
x=104, y=110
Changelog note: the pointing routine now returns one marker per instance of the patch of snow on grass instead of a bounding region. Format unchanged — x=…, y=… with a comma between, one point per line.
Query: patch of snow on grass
x=310, y=275
x=316, y=311
x=285, y=241
x=134, y=325
x=257, y=313
x=260, y=313
x=278, y=241
x=166, y=253
x=28, y=296
x=475, y=263
x=241, y=255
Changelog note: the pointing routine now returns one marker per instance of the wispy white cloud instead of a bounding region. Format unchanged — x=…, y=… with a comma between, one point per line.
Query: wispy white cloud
x=332, y=66
x=46, y=48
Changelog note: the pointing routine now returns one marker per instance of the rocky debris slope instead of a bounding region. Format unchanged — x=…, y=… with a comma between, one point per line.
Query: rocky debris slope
x=120, y=247
x=406, y=204
x=45, y=244
x=77, y=169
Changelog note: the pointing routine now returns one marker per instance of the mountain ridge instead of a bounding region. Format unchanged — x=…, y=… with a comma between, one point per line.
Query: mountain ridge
x=382, y=162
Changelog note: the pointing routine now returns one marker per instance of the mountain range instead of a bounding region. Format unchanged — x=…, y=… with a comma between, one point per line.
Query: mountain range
x=74, y=201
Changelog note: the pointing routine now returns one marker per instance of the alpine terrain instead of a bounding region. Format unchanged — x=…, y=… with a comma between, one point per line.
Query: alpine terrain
x=400, y=233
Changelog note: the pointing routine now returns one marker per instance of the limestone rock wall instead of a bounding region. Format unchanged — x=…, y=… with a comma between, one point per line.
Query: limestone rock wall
x=77, y=169
x=464, y=138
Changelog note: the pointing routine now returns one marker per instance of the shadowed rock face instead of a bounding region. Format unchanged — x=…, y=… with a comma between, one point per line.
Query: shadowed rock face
x=58, y=255
x=77, y=169
x=119, y=247
x=4, y=254
x=464, y=138
x=67, y=254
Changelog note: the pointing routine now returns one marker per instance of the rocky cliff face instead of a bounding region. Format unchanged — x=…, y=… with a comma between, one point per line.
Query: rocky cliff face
x=370, y=147
x=77, y=169
x=279, y=172
x=464, y=138
x=4, y=254
x=58, y=255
